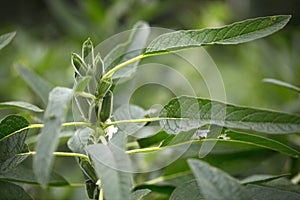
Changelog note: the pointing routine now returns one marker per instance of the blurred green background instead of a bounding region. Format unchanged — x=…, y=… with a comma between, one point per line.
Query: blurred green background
x=49, y=30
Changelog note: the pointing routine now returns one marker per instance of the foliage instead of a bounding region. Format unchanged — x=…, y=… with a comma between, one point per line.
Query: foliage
x=102, y=142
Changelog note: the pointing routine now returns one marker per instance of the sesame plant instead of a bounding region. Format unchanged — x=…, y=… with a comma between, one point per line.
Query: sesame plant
x=100, y=136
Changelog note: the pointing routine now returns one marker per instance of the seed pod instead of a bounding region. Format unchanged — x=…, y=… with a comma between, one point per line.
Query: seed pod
x=77, y=63
x=87, y=48
x=88, y=169
x=103, y=87
x=92, y=189
x=106, y=106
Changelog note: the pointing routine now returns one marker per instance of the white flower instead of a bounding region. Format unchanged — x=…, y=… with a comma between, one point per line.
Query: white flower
x=111, y=130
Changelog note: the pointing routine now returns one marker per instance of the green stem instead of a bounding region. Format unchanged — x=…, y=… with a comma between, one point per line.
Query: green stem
x=140, y=120
x=119, y=66
x=101, y=194
x=144, y=150
x=64, y=154
x=32, y=126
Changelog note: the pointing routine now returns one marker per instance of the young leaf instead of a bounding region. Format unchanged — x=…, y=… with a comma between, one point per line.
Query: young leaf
x=36, y=83
x=282, y=84
x=235, y=33
x=187, y=191
x=48, y=140
x=215, y=184
x=112, y=167
x=11, y=145
x=185, y=113
x=6, y=38
x=258, y=192
x=130, y=49
x=12, y=191
x=20, y=104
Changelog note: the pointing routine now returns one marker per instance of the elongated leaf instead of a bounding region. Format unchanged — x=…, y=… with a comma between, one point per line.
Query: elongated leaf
x=261, y=178
x=11, y=145
x=24, y=175
x=6, y=38
x=48, y=140
x=262, y=142
x=20, y=104
x=187, y=191
x=282, y=84
x=12, y=191
x=130, y=49
x=185, y=113
x=36, y=83
x=235, y=33
x=260, y=192
x=152, y=140
x=112, y=167
x=215, y=184
x=138, y=194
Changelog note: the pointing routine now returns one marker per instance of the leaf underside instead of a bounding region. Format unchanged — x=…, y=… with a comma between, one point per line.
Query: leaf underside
x=48, y=140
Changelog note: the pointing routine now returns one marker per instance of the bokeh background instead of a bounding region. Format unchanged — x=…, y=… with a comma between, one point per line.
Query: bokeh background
x=49, y=30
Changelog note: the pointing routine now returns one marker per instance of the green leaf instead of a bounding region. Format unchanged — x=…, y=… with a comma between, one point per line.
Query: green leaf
x=113, y=169
x=79, y=140
x=239, y=32
x=258, y=192
x=215, y=184
x=128, y=50
x=10, y=191
x=138, y=194
x=24, y=175
x=181, y=137
x=20, y=104
x=152, y=140
x=36, y=83
x=187, y=191
x=262, y=142
x=282, y=84
x=261, y=178
x=164, y=189
x=6, y=38
x=11, y=145
x=48, y=140
x=283, y=184
x=185, y=113
x=11, y=124
x=129, y=112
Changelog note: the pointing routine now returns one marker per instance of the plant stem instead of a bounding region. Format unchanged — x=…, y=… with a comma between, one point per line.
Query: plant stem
x=141, y=120
x=119, y=66
x=144, y=150
x=65, y=154
x=77, y=124
x=101, y=194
